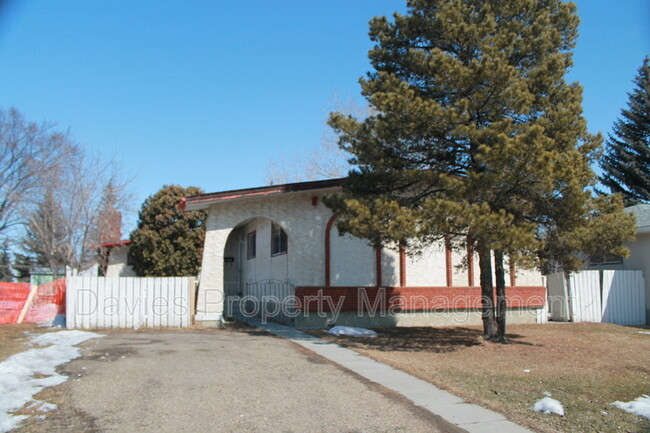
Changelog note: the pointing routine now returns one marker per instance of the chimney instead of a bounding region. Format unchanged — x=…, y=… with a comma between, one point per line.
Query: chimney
x=110, y=226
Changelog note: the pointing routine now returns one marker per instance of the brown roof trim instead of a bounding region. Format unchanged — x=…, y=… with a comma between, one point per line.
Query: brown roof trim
x=204, y=199
x=115, y=244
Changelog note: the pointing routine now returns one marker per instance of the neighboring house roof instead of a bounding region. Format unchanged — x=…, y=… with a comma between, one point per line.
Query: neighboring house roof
x=642, y=213
x=122, y=243
x=203, y=201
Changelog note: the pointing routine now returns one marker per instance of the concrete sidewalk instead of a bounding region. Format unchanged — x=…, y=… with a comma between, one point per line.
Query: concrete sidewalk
x=470, y=417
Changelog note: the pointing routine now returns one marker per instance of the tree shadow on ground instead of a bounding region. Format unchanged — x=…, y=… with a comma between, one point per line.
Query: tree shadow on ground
x=418, y=339
x=241, y=327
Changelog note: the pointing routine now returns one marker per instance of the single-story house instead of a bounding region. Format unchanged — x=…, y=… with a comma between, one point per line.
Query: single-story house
x=639, y=259
x=116, y=254
x=275, y=252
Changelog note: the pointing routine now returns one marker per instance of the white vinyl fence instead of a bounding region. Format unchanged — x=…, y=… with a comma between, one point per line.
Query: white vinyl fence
x=598, y=296
x=125, y=302
x=624, y=297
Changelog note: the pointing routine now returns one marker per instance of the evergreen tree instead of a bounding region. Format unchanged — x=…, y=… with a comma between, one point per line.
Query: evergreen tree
x=626, y=163
x=167, y=241
x=23, y=265
x=477, y=138
x=5, y=263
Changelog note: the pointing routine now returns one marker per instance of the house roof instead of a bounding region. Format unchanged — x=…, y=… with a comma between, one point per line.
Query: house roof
x=203, y=201
x=642, y=213
x=122, y=243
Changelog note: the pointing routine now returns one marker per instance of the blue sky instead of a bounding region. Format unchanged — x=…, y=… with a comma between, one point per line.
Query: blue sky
x=205, y=93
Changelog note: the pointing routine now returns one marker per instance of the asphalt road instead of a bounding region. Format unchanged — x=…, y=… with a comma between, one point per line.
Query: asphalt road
x=220, y=381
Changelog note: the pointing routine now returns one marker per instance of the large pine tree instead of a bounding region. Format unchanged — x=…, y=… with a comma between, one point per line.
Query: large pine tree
x=477, y=136
x=626, y=163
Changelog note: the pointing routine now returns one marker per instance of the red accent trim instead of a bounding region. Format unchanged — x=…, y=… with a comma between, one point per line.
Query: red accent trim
x=182, y=203
x=314, y=200
x=395, y=299
x=470, y=264
x=378, y=267
x=513, y=275
x=328, y=246
x=448, y=264
x=115, y=244
x=402, y=265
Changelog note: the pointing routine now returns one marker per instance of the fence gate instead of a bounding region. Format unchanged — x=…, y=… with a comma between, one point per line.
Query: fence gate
x=558, y=297
x=624, y=297
x=611, y=296
x=584, y=296
x=265, y=300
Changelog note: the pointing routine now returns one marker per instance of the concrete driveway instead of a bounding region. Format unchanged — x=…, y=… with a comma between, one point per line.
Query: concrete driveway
x=220, y=381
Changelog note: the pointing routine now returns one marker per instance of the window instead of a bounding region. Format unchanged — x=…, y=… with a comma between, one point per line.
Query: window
x=278, y=240
x=130, y=260
x=251, y=245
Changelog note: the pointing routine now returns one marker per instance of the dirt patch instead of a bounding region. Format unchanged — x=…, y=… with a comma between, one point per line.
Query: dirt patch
x=64, y=418
x=584, y=366
x=13, y=338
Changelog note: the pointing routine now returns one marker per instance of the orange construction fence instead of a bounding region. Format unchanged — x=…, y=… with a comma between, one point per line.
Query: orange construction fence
x=48, y=302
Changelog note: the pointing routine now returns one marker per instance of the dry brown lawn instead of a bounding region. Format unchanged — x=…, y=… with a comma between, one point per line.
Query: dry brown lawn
x=13, y=338
x=585, y=366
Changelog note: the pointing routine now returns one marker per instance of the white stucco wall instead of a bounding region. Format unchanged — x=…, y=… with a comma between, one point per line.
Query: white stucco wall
x=428, y=268
x=353, y=261
x=527, y=277
x=389, y=267
x=117, y=263
x=263, y=266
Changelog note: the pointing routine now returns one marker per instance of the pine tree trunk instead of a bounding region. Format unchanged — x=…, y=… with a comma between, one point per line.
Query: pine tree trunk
x=500, y=276
x=487, y=293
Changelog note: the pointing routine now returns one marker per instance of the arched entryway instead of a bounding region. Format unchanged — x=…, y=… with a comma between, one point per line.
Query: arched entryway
x=257, y=276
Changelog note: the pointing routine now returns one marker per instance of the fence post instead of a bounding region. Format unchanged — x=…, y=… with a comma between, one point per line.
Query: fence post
x=28, y=303
x=192, y=298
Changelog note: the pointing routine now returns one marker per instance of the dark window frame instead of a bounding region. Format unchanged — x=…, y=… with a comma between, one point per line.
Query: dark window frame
x=251, y=245
x=279, y=240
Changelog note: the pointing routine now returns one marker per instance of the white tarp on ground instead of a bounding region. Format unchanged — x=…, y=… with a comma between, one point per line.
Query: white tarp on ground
x=352, y=331
x=25, y=374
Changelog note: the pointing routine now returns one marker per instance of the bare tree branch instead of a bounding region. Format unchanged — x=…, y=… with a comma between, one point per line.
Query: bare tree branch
x=325, y=161
x=28, y=154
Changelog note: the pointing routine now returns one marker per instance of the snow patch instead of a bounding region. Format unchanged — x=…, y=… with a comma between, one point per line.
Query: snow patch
x=42, y=406
x=639, y=406
x=548, y=405
x=18, y=383
x=644, y=332
x=352, y=331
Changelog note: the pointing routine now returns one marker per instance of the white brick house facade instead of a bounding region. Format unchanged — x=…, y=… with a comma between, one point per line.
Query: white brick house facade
x=316, y=256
